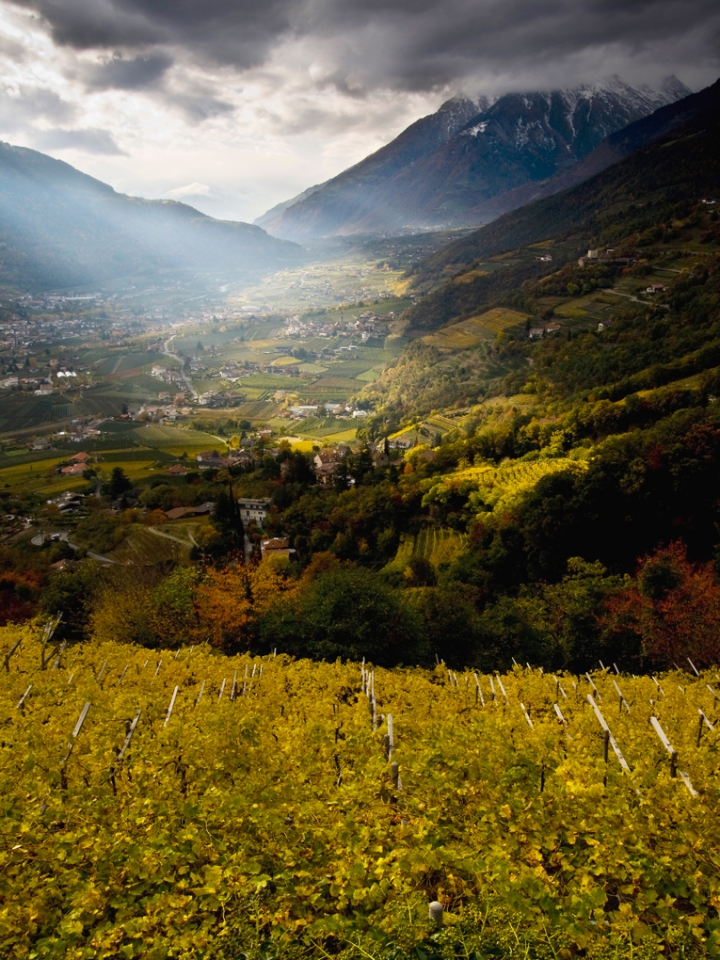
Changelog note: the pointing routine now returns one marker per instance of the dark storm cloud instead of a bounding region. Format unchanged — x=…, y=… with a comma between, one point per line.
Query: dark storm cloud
x=403, y=44
x=219, y=31
x=139, y=73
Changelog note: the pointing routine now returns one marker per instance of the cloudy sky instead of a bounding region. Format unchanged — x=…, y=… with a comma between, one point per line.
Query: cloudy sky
x=235, y=105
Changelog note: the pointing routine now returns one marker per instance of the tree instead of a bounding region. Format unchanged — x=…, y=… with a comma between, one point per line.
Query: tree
x=226, y=519
x=346, y=611
x=230, y=601
x=119, y=483
x=673, y=608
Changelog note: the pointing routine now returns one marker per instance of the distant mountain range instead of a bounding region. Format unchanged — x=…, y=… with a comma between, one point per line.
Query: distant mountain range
x=61, y=228
x=470, y=162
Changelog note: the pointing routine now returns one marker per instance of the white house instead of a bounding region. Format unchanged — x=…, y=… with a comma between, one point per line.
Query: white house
x=256, y=510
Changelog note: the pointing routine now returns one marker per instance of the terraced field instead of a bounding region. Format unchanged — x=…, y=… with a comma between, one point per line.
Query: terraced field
x=496, y=484
x=469, y=333
x=437, y=544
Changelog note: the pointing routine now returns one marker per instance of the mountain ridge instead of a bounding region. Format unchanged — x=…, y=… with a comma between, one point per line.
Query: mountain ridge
x=60, y=227
x=515, y=140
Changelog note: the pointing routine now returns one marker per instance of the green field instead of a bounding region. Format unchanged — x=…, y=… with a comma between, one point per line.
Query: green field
x=143, y=547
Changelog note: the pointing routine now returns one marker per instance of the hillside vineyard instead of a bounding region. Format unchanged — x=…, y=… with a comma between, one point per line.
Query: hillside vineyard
x=185, y=803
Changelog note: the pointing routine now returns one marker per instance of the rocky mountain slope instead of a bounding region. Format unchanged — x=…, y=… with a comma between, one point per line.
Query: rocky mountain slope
x=518, y=140
x=60, y=227
x=325, y=210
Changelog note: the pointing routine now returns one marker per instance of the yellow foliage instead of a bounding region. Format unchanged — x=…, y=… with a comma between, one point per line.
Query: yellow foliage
x=229, y=600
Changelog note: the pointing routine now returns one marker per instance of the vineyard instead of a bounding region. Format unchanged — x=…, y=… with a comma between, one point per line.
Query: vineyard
x=439, y=545
x=185, y=804
x=500, y=484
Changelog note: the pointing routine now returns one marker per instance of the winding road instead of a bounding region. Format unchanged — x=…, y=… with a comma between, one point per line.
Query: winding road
x=168, y=353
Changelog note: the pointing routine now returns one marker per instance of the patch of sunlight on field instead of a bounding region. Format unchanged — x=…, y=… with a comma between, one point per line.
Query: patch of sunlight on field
x=370, y=376
x=344, y=436
x=503, y=484
x=133, y=469
x=263, y=344
x=311, y=368
x=300, y=443
x=284, y=362
x=471, y=332
x=470, y=275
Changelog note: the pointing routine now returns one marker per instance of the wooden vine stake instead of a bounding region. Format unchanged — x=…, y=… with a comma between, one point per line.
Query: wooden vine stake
x=527, y=716
x=389, y=737
x=172, y=704
x=703, y=722
x=395, y=775
x=123, y=750
x=478, y=691
x=6, y=661
x=595, y=689
x=60, y=651
x=71, y=745
x=695, y=669
x=673, y=757
x=610, y=738
x=23, y=698
x=623, y=702
x=48, y=631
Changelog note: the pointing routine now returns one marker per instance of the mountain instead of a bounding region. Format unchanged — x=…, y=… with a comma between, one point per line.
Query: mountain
x=517, y=140
x=275, y=212
x=60, y=228
x=678, y=158
x=326, y=210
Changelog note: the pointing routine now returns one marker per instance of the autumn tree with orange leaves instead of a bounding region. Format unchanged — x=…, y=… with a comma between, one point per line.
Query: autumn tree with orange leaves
x=673, y=607
x=229, y=601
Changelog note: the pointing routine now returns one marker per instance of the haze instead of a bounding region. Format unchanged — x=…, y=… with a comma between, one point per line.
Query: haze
x=234, y=107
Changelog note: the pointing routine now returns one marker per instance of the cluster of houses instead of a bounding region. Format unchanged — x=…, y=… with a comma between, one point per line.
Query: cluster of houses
x=367, y=325
x=536, y=333
x=166, y=375
x=40, y=386
x=77, y=466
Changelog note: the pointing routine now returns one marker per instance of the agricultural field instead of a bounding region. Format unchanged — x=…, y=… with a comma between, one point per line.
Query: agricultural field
x=145, y=546
x=437, y=544
x=181, y=803
x=471, y=332
x=501, y=484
